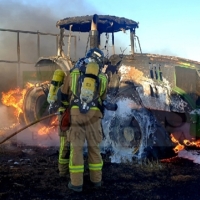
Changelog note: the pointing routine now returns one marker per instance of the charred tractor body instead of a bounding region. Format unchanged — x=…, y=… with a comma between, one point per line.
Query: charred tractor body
x=156, y=95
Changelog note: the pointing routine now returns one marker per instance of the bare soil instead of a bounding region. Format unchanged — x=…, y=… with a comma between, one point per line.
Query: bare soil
x=31, y=173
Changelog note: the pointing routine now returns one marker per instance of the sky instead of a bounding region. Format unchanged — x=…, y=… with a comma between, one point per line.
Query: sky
x=166, y=27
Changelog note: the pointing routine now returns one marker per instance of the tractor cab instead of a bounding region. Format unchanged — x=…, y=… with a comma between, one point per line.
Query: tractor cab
x=94, y=26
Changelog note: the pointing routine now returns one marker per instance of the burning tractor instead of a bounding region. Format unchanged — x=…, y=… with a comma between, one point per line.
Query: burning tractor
x=158, y=96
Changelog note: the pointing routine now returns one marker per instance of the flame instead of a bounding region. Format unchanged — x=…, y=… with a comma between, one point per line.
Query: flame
x=46, y=129
x=14, y=98
x=193, y=143
x=179, y=146
x=169, y=160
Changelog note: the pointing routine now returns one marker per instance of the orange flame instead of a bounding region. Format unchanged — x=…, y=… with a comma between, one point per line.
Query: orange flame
x=14, y=98
x=179, y=146
x=194, y=143
x=46, y=130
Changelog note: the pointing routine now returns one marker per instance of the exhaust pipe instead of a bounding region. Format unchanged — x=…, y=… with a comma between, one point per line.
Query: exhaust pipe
x=94, y=33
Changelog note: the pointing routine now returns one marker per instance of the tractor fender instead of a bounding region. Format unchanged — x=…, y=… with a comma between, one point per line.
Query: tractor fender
x=63, y=63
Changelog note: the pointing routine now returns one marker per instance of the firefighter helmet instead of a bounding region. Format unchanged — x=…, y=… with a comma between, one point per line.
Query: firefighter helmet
x=97, y=55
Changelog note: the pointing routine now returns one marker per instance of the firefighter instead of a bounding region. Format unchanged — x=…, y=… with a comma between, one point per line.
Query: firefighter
x=53, y=97
x=85, y=93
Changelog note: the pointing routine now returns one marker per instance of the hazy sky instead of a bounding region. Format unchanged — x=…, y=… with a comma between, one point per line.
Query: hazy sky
x=168, y=27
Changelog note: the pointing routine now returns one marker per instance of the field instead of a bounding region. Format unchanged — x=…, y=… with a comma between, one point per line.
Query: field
x=31, y=173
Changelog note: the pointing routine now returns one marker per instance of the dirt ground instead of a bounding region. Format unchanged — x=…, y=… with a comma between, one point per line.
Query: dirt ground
x=31, y=173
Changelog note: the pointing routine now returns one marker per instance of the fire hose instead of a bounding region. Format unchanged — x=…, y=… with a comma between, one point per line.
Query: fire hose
x=16, y=132
x=65, y=121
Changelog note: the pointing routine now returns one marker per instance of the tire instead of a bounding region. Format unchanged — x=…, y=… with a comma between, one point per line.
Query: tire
x=147, y=139
x=35, y=105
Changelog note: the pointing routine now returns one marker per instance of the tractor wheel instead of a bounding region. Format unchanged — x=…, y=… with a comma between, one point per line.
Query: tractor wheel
x=136, y=132
x=35, y=105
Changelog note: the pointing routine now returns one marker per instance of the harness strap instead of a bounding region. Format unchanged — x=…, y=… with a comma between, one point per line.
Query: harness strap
x=91, y=76
x=56, y=83
x=77, y=79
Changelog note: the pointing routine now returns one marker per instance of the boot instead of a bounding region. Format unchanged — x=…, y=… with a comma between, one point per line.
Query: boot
x=97, y=184
x=75, y=188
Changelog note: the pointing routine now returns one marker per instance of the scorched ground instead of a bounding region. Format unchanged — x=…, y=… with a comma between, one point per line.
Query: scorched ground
x=31, y=173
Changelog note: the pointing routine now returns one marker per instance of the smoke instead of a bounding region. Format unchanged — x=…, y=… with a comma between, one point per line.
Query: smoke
x=31, y=137
x=37, y=17
x=30, y=16
x=190, y=155
x=27, y=18
x=40, y=15
x=7, y=119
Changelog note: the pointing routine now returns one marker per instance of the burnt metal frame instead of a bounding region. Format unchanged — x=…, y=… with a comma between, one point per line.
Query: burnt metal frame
x=19, y=61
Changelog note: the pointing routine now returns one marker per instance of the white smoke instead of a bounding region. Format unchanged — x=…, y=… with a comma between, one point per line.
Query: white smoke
x=190, y=155
x=7, y=119
x=31, y=137
x=4, y=115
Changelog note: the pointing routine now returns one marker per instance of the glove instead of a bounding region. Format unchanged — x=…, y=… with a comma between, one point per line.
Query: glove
x=65, y=121
x=110, y=106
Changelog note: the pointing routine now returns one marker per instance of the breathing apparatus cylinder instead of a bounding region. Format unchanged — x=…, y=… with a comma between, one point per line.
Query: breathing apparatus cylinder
x=56, y=82
x=89, y=82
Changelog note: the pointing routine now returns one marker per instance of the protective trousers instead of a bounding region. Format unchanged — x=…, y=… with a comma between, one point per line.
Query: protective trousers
x=83, y=128
x=64, y=152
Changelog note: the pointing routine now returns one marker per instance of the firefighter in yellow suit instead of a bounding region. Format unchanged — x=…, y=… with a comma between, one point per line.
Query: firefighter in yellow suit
x=54, y=91
x=84, y=126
